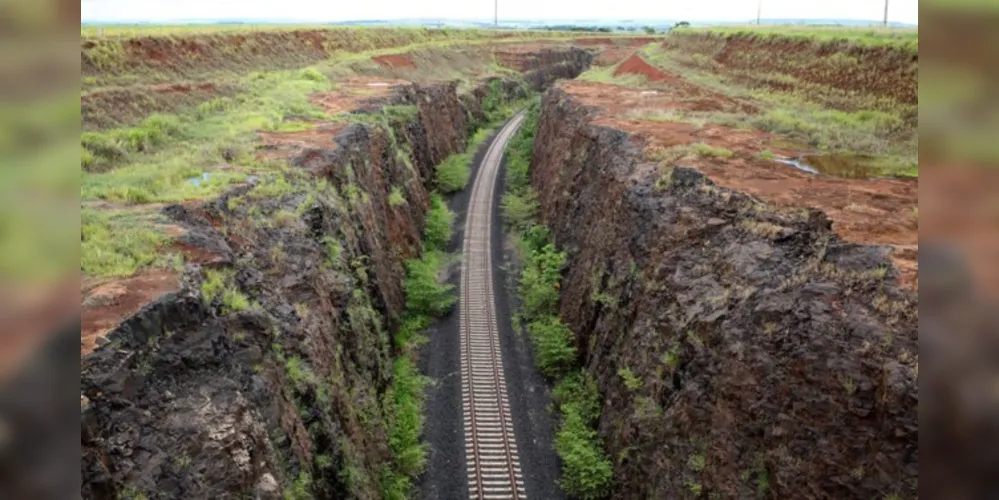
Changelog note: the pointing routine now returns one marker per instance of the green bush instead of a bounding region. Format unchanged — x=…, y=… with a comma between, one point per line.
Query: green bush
x=425, y=294
x=440, y=224
x=453, y=173
x=519, y=210
x=586, y=469
x=553, y=345
x=406, y=404
x=539, y=283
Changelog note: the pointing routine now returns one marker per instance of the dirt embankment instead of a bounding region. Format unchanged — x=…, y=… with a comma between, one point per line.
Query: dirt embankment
x=885, y=72
x=775, y=359
x=188, y=399
x=171, y=58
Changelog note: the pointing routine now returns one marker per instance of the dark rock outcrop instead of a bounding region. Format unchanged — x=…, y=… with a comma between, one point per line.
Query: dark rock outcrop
x=776, y=360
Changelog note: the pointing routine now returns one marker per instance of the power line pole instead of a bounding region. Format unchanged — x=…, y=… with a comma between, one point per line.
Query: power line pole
x=759, y=11
x=886, y=13
x=496, y=13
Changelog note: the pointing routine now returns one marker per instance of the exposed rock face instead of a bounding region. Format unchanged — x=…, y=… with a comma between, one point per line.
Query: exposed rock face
x=189, y=399
x=546, y=66
x=776, y=361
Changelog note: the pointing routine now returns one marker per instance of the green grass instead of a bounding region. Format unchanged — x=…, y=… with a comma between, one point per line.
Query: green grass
x=116, y=244
x=220, y=288
x=708, y=151
x=156, y=161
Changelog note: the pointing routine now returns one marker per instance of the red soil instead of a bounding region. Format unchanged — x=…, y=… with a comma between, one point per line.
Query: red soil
x=107, y=303
x=395, y=61
x=635, y=65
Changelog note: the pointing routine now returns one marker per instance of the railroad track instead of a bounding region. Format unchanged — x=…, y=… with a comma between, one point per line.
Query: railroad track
x=490, y=445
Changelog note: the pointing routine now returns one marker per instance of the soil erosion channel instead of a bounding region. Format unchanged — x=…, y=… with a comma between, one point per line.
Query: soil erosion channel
x=490, y=447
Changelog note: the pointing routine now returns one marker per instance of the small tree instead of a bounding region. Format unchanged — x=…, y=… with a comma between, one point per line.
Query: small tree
x=649, y=29
x=681, y=24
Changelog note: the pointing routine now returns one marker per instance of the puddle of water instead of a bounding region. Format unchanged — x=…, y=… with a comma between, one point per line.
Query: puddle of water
x=845, y=166
x=798, y=165
x=196, y=181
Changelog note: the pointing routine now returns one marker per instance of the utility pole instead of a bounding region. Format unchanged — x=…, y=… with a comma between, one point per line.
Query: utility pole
x=886, y=13
x=496, y=13
x=759, y=11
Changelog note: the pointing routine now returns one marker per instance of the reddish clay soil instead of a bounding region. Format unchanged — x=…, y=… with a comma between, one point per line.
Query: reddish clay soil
x=281, y=145
x=611, y=56
x=395, y=61
x=635, y=65
x=30, y=314
x=107, y=303
x=356, y=93
x=872, y=211
x=960, y=209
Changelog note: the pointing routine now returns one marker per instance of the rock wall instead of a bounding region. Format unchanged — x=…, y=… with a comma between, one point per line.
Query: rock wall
x=774, y=360
x=284, y=395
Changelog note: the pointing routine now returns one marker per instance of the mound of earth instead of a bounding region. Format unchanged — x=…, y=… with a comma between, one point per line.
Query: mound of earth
x=635, y=65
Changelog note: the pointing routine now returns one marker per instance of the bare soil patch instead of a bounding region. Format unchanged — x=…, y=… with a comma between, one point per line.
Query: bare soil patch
x=107, y=303
x=635, y=65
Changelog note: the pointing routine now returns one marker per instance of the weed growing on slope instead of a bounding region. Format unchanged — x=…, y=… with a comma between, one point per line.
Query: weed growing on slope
x=219, y=286
x=586, y=469
x=440, y=224
x=396, y=198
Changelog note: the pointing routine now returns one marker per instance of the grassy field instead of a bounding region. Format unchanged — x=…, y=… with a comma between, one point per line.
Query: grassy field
x=899, y=37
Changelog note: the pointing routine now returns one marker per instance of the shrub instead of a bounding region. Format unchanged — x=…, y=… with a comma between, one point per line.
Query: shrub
x=440, y=224
x=519, y=210
x=631, y=381
x=539, y=282
x=453, y=173
x=553, y=345
x=425, y=294
x=586, y=469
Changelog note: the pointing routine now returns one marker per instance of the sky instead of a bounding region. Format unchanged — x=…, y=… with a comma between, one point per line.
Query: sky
x=343, y=10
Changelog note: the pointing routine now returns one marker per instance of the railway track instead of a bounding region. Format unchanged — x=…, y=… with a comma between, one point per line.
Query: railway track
x=490, y=445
